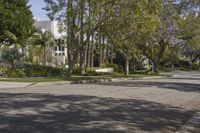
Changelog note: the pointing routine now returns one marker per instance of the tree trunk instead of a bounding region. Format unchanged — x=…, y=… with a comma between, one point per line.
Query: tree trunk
x=127, y=65
x=111, y=54
x=92, y=53
x=191, y=65
x=103, y=50
x=89, y=42
x=100, y=51
x=70, y=68
x=107, y=52
x=155, y=60
x=88, y=56
x=71, y=43
x=82, y=61
x=12, y=63
x=23, y=53
x=72, y=59
x=44, y=57
x=82, y=44
x=155, y=67
x=199, y=64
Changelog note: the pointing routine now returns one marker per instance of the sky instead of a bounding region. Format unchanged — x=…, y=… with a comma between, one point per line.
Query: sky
x=36, y=8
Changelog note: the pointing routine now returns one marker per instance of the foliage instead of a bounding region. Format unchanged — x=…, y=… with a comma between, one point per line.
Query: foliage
x=75, y=71
x=42, y=71
x=11, y=72
x=116, y=67
x=170, y=57
x=15, y=72
x=17, y=20
x=191, y=37
x=31, y=71
x=44, y=40
x=11, y=55
x=122, y=34
x=3, y=71
x=78, y=19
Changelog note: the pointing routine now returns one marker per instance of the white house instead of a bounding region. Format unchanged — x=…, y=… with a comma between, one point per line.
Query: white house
x=59, y=51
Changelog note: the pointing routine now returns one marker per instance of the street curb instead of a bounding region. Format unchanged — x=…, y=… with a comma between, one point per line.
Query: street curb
x=138, y=78
x=192, y=126
x=107, y=80
x=91, y=81
x=50, y=83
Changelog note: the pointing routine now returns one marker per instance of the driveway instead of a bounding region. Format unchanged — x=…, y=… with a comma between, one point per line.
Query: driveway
x=155, y=106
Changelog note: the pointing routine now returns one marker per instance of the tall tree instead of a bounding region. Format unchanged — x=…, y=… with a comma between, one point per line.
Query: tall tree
x=154, y=41
x=188, y=21
x=75, y=20
x=16, y=18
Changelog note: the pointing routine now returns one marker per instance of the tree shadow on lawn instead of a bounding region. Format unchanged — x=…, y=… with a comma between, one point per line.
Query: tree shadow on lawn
x=42, y=113
x=185, y=87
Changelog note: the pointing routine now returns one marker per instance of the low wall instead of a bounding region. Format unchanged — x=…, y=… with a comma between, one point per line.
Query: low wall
x=105, y=70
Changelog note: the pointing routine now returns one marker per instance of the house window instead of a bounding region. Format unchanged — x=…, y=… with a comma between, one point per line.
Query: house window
x=55, y=48
x=56, y=54
x=63, y=54
x=63, y=48
x=59, y=54
x=59, y=48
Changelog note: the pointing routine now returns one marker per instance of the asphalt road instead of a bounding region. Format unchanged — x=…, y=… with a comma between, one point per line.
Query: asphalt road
x=156, y=105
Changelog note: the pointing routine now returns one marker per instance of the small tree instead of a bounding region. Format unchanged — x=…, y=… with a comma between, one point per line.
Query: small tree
x=44, y=39
x=12, y=55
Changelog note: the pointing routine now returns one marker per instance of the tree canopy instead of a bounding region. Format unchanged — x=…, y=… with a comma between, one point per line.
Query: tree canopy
x=16, y=21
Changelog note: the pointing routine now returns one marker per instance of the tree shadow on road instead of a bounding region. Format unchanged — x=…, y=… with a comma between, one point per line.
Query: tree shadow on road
x=41, y=113
x=185, y=87
x=186, y=78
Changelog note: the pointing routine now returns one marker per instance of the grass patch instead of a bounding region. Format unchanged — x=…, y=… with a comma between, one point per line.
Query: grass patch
x=49, y=79
x=73, y=78
x=33, y=80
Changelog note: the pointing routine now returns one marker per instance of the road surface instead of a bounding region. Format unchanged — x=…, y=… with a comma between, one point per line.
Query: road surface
x=155, y=106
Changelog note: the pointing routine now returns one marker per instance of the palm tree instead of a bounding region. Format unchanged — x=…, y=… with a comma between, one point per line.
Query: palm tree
x=43, y=39
x=10, y=49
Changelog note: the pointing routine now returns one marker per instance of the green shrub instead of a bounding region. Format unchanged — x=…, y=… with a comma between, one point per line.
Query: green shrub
x=104, y=65
x=76, y=71
x=43, y=71
x=92, y=72
x=13, y=72
x=195, y=66
x=115, y=66
x=183, y=64
x=145, y=71
x=3, y=71
x=32, y=71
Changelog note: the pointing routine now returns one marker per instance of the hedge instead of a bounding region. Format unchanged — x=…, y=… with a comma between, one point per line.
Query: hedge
x=32, y=71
